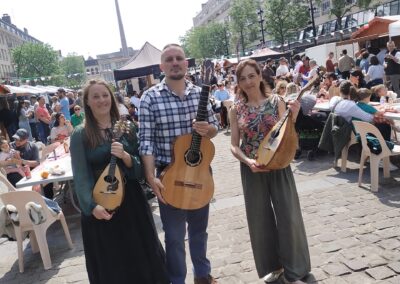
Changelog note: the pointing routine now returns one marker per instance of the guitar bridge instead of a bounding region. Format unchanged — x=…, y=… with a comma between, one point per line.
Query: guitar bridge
x=108, y=192
x=188, y=184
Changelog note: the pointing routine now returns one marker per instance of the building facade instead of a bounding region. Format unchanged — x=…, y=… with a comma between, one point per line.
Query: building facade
x=212, y=11
x=104, y=65
x=10, y=37
x=326, y=25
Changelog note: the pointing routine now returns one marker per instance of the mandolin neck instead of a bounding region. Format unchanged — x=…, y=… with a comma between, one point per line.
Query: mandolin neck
x=113, y=164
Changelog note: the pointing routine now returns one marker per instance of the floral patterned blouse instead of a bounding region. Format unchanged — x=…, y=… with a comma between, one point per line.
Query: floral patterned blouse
x=255, y=123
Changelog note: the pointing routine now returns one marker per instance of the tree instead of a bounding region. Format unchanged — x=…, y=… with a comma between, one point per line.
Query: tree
x=284, y=18
x=244, y=22
x=32, y=60
x=73, y=67
x=340, y=8
x=205, y=41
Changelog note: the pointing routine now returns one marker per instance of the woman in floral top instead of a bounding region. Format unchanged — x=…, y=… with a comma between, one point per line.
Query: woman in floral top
x=276, y=226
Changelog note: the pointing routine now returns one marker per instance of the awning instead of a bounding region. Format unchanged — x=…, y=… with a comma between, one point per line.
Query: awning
x=362, y=39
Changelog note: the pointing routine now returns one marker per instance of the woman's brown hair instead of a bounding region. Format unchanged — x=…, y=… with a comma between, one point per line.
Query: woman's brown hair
x=239, y=70
x=92, y=129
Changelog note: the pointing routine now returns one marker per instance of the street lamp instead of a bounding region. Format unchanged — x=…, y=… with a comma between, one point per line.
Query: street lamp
x=261, y=21
x=312, y=9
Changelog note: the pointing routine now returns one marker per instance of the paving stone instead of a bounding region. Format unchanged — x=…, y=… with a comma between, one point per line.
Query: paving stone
x=368, y=238
x=356, y=264
x=389, y=244
x=336, y=269
x=358, y=278
x=330, y=247
x=374, y=260
x=380, y=272
x=395, y=266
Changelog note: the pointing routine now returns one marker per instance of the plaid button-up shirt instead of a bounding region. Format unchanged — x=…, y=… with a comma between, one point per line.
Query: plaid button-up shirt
x=163, y=116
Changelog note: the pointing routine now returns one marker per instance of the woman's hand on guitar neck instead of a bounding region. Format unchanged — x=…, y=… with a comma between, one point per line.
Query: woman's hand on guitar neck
x=100, y=213
x=255, y=167
x=157, y=187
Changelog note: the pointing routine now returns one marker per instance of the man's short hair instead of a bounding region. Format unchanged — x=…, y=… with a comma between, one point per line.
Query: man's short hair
x=268, y=60
x=61, y=90
x=344, y=51
x=171, y=45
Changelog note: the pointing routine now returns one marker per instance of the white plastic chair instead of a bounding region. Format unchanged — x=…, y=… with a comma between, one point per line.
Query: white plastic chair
x=345, y=153
x=19, y=200
x=363, y=128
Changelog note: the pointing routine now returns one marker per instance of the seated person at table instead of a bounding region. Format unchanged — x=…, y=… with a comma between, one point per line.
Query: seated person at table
x=220, y=95
x=379, y=91
x=345, y=105
x=62, y=129
x=28, y=153
x=10, y=161
x=384, y=126
x=328, y=86
x=78, y=116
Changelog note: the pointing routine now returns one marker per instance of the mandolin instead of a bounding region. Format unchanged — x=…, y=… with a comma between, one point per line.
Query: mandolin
x=109, y=188
x=279, y=146
x=188, y=181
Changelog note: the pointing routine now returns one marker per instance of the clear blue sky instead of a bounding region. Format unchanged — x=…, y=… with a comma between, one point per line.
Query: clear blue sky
x=90, y=27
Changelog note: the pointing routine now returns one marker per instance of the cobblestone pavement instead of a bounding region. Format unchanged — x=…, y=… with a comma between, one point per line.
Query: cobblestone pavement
x=353, y=234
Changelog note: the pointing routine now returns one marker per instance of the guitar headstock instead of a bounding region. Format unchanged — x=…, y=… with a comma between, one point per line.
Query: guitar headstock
x=121, y=127
x=207, y=69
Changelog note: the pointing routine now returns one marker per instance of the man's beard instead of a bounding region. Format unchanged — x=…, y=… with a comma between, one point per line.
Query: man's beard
x=176, y=77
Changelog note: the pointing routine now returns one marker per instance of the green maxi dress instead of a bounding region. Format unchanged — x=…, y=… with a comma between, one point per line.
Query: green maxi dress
x=125, y=249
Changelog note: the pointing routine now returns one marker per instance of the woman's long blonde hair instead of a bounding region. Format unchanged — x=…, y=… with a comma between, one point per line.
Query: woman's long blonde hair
x=92, y=130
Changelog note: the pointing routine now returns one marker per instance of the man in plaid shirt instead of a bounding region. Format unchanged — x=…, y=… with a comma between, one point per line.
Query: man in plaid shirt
x=167, y=111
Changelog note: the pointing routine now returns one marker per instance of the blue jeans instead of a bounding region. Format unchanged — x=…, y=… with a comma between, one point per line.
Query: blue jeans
x=174, y=225
x=43, y=131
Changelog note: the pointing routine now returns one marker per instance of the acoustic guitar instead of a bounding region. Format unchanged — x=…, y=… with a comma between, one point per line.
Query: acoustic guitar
x=279, y=146
x=188, y=180
x=109, y=188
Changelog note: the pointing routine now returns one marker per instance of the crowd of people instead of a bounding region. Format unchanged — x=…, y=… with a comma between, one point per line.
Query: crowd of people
x=122, y=246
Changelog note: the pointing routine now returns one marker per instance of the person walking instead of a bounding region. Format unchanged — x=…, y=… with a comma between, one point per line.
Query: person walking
x=277, y=232
x=345, y=64
x=168, y=110
x=392, y=66
x=120, y=246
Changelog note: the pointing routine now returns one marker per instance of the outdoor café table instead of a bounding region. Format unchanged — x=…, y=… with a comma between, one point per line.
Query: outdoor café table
x=62, y=160
x=322, y=106
x=392, y=115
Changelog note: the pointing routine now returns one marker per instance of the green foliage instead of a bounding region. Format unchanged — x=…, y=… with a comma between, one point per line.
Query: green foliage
x=35, y=60
x=73, y=67
x=244, y=22
x=283, y=18
x=205, y=41
x=340, y=8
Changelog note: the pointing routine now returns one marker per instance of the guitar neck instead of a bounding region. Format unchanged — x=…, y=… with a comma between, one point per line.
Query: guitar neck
x=202, y=114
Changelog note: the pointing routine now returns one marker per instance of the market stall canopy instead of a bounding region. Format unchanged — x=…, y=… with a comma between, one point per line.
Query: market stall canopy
x=394, y=29
x=264, y=53
x=145, y=62
x=7, y=90
x=378, y=27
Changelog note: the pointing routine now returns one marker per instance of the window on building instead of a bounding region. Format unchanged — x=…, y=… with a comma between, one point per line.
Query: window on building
x=325, y=7
x=97, y=70
x=91, y=71
x=394, y=8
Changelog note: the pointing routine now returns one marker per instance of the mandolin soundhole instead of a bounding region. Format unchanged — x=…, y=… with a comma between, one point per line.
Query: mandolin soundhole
x=112, y=183
x=193, y=158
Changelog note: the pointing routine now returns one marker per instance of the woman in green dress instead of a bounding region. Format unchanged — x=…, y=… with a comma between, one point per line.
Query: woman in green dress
x=277, y=233
x=122, y=246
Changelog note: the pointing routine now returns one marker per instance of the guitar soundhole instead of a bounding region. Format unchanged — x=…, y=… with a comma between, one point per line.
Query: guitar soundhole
x=193, y=158
x=112, y=183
